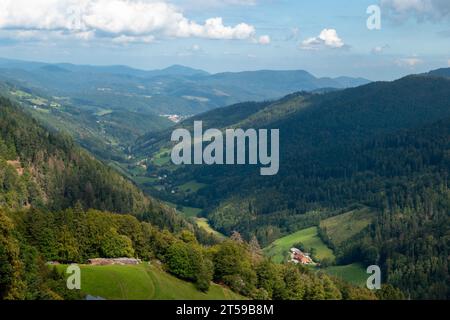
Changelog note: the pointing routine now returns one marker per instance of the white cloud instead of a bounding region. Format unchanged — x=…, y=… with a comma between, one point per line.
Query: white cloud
x=328, y=38
x=122, y=20
x=420, y=9
x=380, y=49
x=236, y=2
x=201, y=4
x=448, y=62
x=264, y=40
x=410, y=62
x=123, y=39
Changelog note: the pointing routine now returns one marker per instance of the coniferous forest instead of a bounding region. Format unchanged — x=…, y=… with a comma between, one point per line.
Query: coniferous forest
x=365, y=168
x=57, y=203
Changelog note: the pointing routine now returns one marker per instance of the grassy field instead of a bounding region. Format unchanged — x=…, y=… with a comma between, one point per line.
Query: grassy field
x=345, y=226
x=204, y=224
x=353, y=273
x=191, y=212
x=191, y=186
x=162, y=158
x=38, y=101
x=20, y=94
x=103, y=112
x=143, y=282
x=187, y=212
x=144, y=180
x=279, y=249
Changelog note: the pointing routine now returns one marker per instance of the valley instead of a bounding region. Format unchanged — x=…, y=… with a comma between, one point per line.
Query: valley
x=352, y=161
x=358, y=168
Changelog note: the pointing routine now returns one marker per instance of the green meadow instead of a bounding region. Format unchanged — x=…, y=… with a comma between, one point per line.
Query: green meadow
x=279, y=249
x=204, y=224
x=353, y=273
x=143, y=282
x=344, y=226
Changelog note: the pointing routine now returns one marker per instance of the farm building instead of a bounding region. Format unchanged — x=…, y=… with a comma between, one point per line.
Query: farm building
x=297, y=256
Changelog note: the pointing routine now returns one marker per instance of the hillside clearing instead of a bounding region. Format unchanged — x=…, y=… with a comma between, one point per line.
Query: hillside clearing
x=143, y=282
x=353, y=273
x=204, y=224
x=279, y=249
x=191, y=186
x=344, y=226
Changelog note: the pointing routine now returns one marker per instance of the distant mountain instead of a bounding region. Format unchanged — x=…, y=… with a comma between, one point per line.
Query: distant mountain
x=178, y=70
x=443, y=72
x=174, y=90
x=105, y=108
x=279, y=83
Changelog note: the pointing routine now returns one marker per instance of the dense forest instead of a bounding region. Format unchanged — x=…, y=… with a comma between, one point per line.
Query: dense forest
x=31, y=237
x=60, y=204
x=384, y=145
x=40, y=168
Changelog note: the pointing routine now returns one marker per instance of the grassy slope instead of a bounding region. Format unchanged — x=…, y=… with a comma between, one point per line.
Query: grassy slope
x=191, y=186
x=204, y=224
x=309, y=237
x=188, y=212
x=339, y=229
x=143, y=282
x=353, y=273
x=162, y=158
x=342, y=227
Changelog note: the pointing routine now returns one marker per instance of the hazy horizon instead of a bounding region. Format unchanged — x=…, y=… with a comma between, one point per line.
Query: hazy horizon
x=317, y=75
x=325, y=38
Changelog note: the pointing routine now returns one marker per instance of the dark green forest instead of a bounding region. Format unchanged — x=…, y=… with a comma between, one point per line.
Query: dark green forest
x=29, y=238
x=384, y=145
x=49, y=170
x=60, y=204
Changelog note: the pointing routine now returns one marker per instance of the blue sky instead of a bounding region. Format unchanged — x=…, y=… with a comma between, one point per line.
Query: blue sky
x=325, y=37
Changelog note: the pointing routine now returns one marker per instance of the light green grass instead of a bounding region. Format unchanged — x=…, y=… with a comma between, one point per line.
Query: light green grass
x=162, y=158
x=353, y=273
x=204, y=224
x=143, y=282
x=103, y=112
x=21, y=94
x=344, y=226
x=38, y=101
x=46, y=111
x=188, y=212
x=279, y=249
x=191, y=186
x=145, y=180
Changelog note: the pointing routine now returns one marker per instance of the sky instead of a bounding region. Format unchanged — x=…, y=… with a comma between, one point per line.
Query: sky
x=324, y=37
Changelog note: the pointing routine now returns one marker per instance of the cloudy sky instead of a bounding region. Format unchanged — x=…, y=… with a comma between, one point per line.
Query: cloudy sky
x=325, y=37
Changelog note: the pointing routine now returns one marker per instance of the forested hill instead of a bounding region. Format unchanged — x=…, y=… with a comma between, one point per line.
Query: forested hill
x=40, y=168
x=47, y=172
x=316, y=132
x=384, y=145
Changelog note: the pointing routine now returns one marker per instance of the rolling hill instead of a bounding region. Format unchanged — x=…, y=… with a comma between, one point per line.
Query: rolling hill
x=176, y=89
x=106, y=108
x=40, y=167
x=383, y=145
